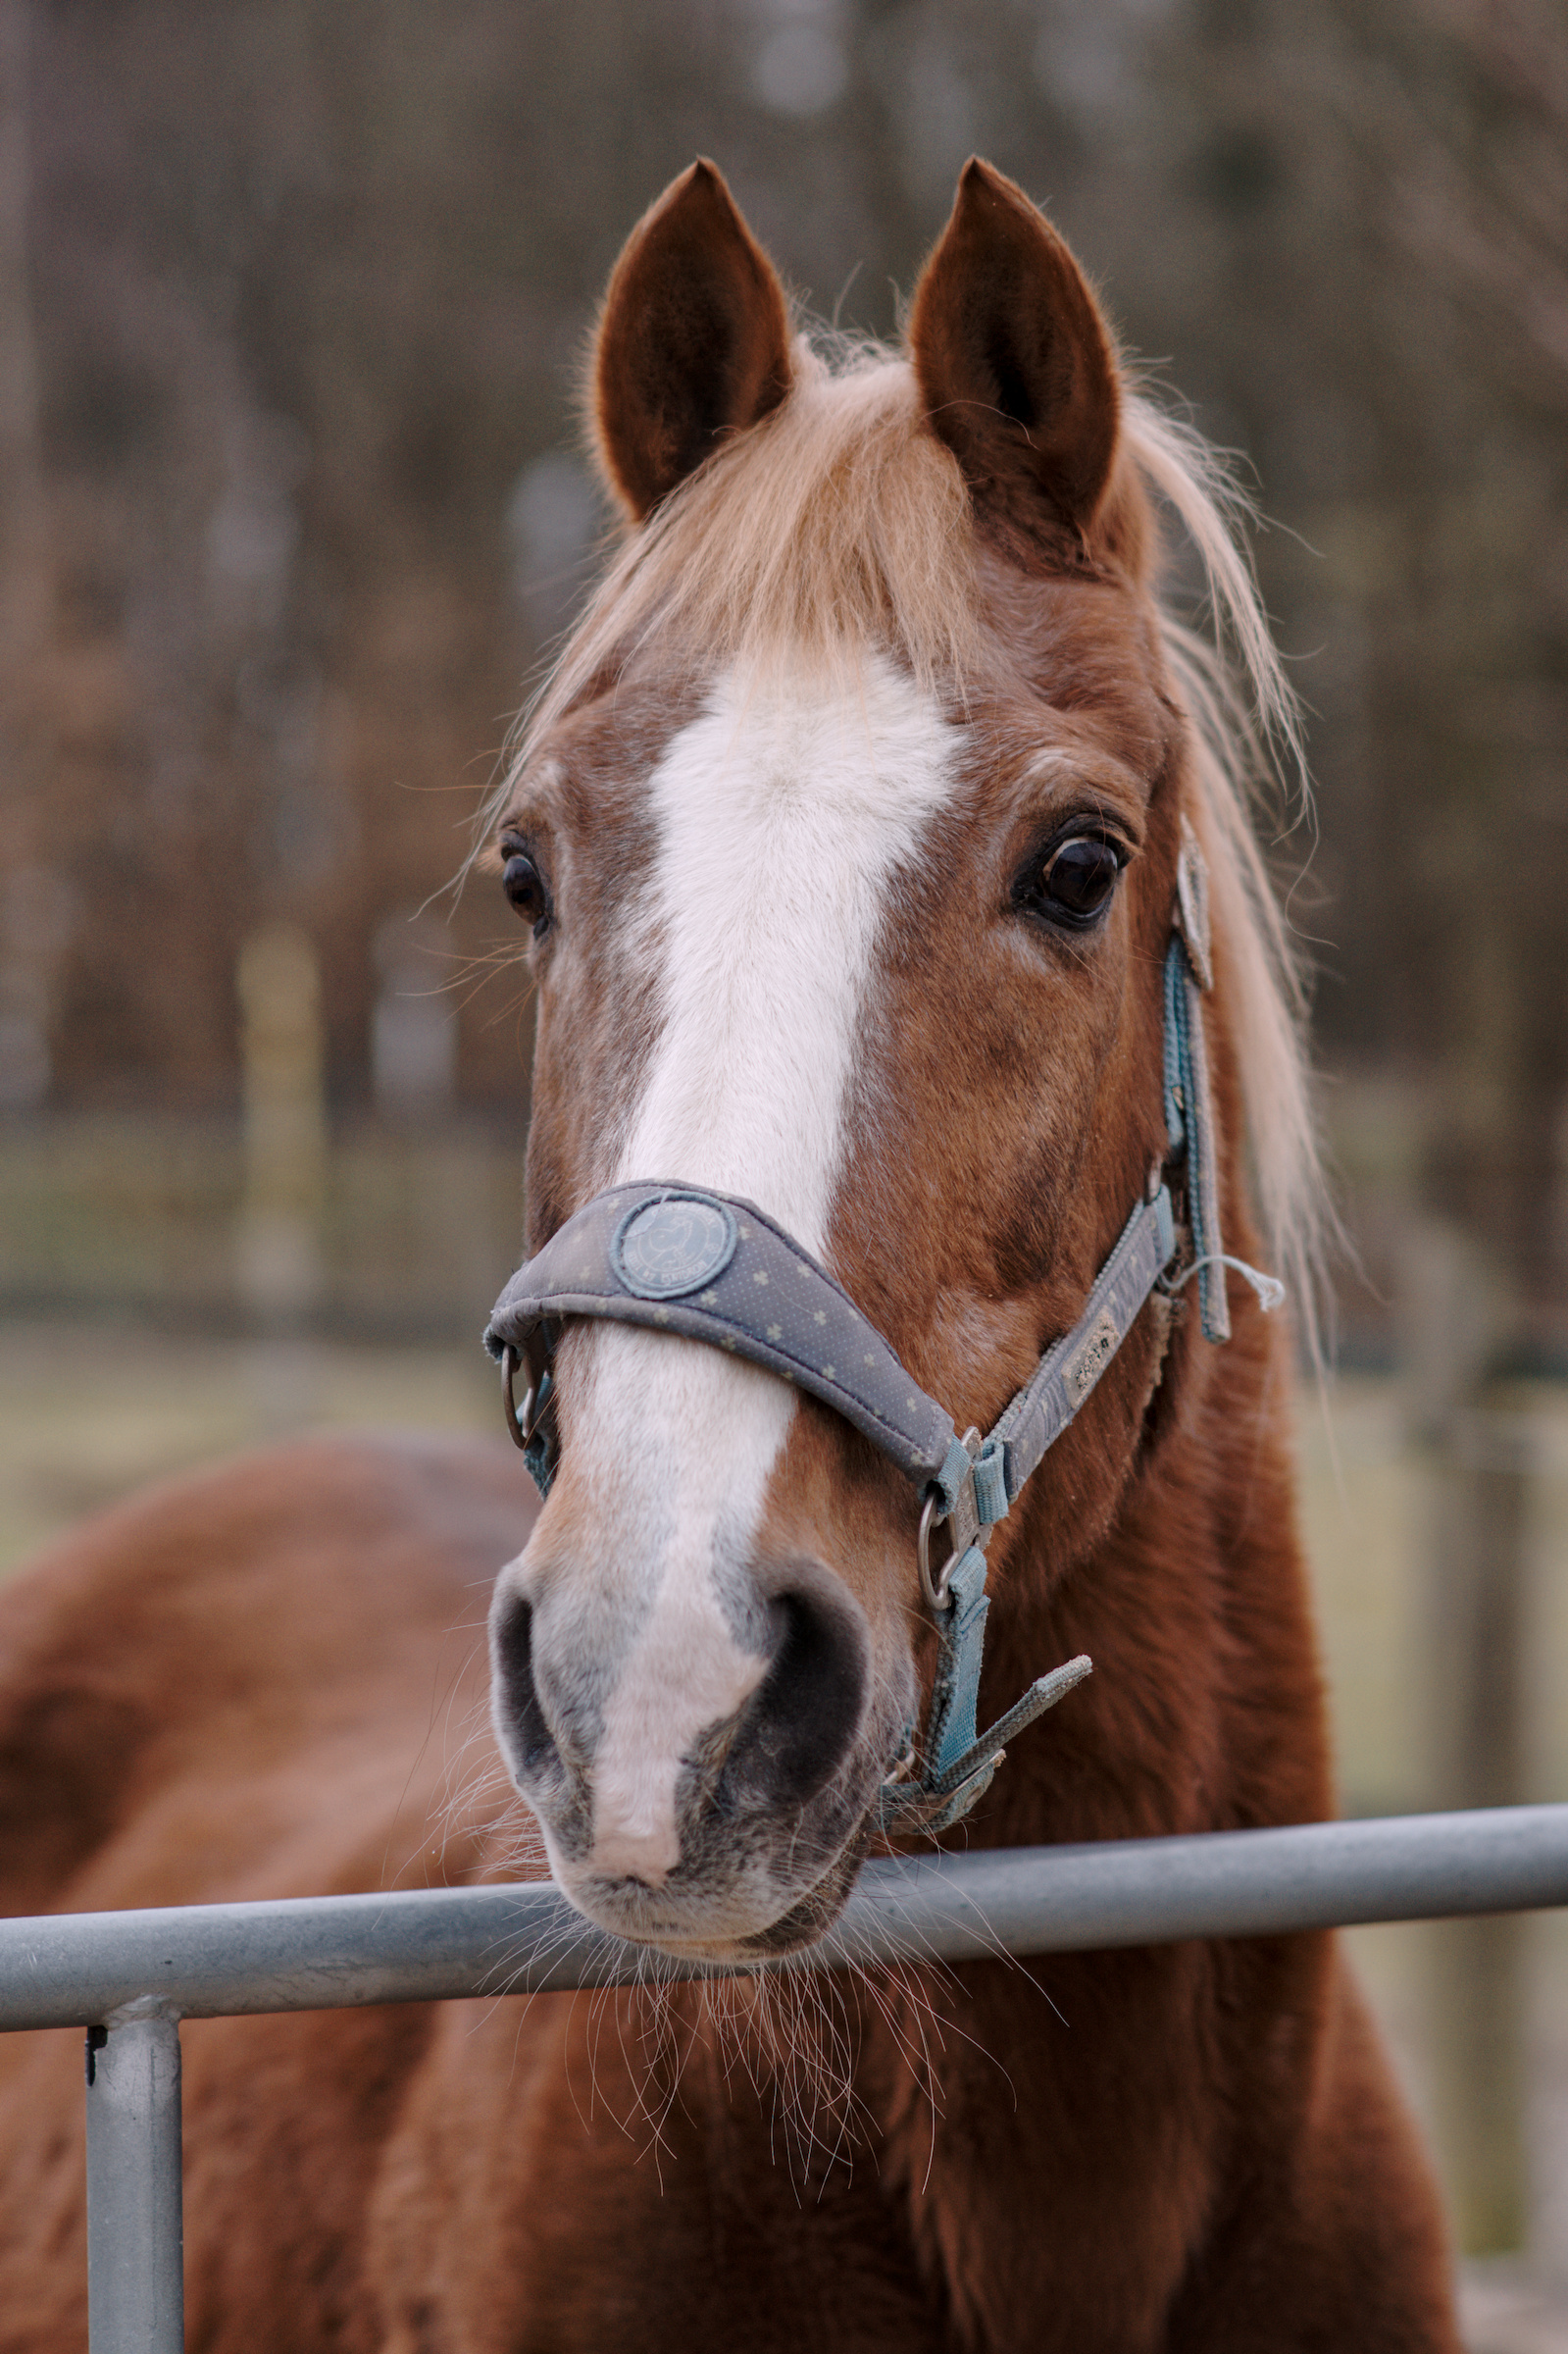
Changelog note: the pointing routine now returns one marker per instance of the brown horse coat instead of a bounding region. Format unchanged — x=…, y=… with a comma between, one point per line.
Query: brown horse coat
x=267, y=1681
x=243, y=1686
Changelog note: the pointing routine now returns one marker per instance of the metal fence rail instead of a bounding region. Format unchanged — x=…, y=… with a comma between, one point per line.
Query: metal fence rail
x=129, y=1977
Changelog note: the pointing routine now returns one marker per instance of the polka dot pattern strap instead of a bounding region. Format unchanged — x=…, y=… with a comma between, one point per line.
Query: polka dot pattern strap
x=713, y=1267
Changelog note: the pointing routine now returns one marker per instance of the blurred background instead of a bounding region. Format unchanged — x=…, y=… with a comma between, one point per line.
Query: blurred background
x=294, y=296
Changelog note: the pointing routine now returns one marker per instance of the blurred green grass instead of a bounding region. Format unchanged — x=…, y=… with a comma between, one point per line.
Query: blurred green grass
x=88, y=1414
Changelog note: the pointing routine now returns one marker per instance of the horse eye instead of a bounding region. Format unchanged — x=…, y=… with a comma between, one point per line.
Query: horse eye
x=1079, y=878
x=523, y=886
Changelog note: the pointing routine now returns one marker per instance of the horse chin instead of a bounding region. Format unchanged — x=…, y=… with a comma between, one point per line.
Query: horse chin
x=659, y=1918
x=810, y=1917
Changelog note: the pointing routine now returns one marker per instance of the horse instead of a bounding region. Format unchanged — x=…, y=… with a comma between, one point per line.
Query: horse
x=877, y=833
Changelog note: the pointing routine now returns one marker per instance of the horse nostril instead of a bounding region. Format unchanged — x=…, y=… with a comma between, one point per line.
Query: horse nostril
x=524, y=1733
x=800, y=1721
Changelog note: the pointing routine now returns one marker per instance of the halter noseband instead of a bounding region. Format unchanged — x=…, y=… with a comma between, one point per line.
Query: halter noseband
x=715, y=1268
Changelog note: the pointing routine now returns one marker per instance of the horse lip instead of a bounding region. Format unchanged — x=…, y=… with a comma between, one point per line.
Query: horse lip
x=808, y=1914
x=813, y=1915
x=804, y=1921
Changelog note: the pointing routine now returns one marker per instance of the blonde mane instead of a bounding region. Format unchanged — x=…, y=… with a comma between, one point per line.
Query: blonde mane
x=837, y=523
x=841, y=522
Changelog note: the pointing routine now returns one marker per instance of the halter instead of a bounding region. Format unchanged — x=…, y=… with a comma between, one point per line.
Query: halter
x=715, y=1269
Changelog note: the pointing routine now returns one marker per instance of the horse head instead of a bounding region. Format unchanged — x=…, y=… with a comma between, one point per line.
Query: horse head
x=848, y=839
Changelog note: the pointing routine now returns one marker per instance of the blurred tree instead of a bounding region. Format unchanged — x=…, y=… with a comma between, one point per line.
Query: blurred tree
x=311, y=289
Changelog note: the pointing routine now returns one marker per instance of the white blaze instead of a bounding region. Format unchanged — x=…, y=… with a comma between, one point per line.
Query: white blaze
x=782, y=813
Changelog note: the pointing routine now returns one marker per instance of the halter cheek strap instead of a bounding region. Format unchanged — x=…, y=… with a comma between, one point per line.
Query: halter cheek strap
x=715, y=1269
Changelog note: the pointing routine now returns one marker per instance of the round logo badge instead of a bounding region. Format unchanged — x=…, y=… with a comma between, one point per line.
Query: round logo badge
x=673, y=1245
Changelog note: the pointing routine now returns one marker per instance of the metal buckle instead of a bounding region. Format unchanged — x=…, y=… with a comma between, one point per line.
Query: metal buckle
x=520, y=1419
x=963, y=1527
x=518, y=1424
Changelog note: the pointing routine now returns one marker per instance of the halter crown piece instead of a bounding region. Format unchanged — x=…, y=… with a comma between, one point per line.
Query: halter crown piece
x=714, y=1267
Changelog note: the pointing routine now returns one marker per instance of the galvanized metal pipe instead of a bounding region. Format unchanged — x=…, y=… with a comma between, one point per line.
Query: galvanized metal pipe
x=135, y=2243
x=209, y=1961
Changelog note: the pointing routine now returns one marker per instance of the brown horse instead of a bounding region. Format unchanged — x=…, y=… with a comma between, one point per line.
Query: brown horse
x=850, y=837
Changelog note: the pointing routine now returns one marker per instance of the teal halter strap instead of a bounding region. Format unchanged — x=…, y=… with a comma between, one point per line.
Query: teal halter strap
x=983, y=1477
x=977, y=1488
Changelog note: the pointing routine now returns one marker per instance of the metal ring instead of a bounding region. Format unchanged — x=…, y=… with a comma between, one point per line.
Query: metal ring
x=517, y=1423
x=934, y=1591
x=902, y=1769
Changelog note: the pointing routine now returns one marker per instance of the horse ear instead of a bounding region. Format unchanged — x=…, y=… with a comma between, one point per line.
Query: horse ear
x=693, y=343
x=1013, y=360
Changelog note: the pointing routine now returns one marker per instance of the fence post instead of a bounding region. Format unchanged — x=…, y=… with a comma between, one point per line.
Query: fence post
x=1459, y=1309
x=280, y=1268
x=136, y=2234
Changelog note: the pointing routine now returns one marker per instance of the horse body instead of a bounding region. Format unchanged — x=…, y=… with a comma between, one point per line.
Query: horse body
x=1036, y=2153
x=790, y=830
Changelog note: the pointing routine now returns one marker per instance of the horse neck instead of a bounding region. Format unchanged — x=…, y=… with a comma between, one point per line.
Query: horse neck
x=1204, y=1713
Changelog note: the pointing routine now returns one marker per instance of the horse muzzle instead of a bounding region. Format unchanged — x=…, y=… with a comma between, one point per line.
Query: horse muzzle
x=700, y=1760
